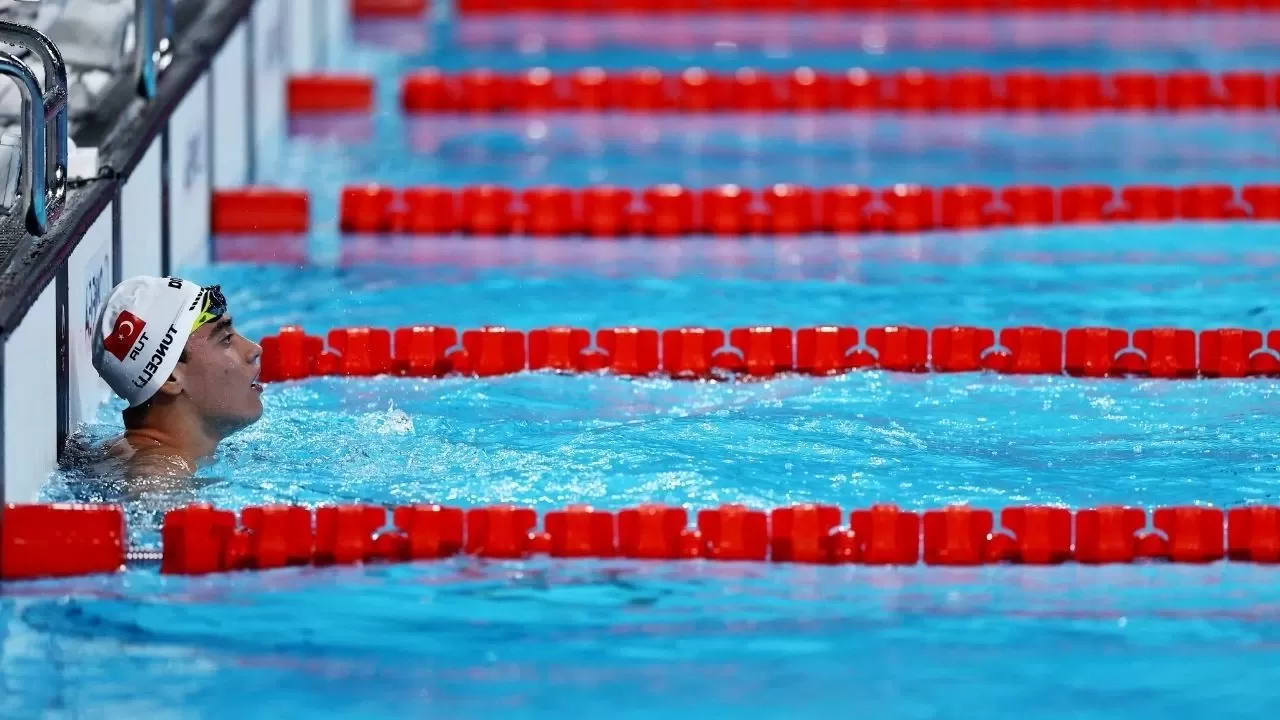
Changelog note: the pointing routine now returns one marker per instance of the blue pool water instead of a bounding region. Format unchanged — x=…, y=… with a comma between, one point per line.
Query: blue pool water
x=467, y=638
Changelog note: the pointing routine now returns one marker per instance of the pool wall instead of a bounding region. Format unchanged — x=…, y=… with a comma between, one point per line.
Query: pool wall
x=219, y=104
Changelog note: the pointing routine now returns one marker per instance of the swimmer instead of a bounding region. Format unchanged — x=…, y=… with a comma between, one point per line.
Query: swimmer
x=168, y=347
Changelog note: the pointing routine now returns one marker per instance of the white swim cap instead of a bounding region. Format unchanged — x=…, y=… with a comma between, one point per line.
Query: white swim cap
x=144, y=326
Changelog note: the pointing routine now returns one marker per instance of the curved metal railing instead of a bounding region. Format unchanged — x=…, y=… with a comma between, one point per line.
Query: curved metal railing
x=44, y=123
x=152, y=54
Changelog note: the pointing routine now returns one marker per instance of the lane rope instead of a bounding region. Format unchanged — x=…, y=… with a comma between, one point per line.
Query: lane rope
x=62, y=541
x=746, y=353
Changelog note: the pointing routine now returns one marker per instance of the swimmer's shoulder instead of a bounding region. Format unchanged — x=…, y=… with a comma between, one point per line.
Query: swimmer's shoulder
x=145, y=458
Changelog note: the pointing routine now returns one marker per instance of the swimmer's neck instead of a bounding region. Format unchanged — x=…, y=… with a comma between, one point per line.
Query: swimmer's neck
x=174, y=432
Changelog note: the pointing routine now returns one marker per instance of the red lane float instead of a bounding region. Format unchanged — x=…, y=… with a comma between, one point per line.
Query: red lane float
x=66, y=540
x=749, y=90
x=764, y=351
x=261, y=211
x=388, y=9
x=735, y=211
x=60, y=540
x=327, y=94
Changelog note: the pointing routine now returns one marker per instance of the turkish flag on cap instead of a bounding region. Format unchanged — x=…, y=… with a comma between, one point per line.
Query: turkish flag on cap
x=128, y=328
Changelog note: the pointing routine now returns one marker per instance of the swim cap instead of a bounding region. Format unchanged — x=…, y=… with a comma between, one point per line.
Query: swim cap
x=143, y=328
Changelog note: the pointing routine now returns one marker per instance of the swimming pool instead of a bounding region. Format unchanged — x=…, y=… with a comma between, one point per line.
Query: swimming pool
x=474, y=638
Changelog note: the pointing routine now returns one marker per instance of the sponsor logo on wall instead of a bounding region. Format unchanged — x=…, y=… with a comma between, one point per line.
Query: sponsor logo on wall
x=194, y=168
x=95, y=292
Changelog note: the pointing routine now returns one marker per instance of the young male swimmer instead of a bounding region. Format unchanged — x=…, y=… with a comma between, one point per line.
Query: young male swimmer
x=167, y=346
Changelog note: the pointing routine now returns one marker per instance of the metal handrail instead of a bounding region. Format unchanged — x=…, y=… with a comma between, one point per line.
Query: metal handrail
x=44, y=174
x=152, y=55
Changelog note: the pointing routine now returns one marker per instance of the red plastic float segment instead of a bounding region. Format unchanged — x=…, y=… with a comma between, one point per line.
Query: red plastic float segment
x=606, y=211
x=966, y=207
x=700, y=91
x=886, y=535
x=1032, y=351
x=790, y=209
x=956, y=536
x=1084, y=203
x=1042, y=535
x=558, y=348
x=581, y=531
x=1166, y=353
x=766, y=351
x=483, y=91
x=260, y=211
x=362, y=352
x=279, y=535
x=1226, y=352
x=1244, y=91
x=1029, y=204
x=431, y=531
x=1263, y=201
x=1189, y=90
x=825, y=350
x=494, y=351
x=725, y=210
x=1079, y=92
x=194, y=539
x=734, y=532
x=808, y=90
x=60, y=540
x=629, y=351
x=857, y=89
x=307, y=94
x=1108, y=534
x=644, y=90
x=592, y=89
x=915, y=90
x=1091, y=352
x=968, y=91
x=366, y=209
x=670, y=211
x=1195, y=534
x=959, y=349
x=753, y=91
x=911, y=208
x=537, y=90
x=499, y=531
x=429, y=211
x=651, y=532
x=290, y=355
x=1136, y=91
x=801, y=533
x=551, y=212
x=486, y=210
x=1253, y=534
x=423, y=351
x=1028, y=91
x=687, y=352
x=369, y=9
x=427, y=91
x=902, y=349
x=344, y=533
x=1208, y=202
x=1149, y=202
x=844, y=208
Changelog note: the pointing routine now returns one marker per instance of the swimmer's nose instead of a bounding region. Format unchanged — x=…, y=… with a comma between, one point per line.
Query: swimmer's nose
x=254, y=351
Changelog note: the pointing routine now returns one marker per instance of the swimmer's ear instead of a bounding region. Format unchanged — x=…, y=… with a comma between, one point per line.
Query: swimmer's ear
x=173, y=386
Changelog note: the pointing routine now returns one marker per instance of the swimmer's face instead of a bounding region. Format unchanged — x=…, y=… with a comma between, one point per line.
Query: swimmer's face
x=220, y=375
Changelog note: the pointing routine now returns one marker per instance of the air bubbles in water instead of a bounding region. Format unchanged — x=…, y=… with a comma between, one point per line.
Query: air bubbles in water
x=393, y=422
